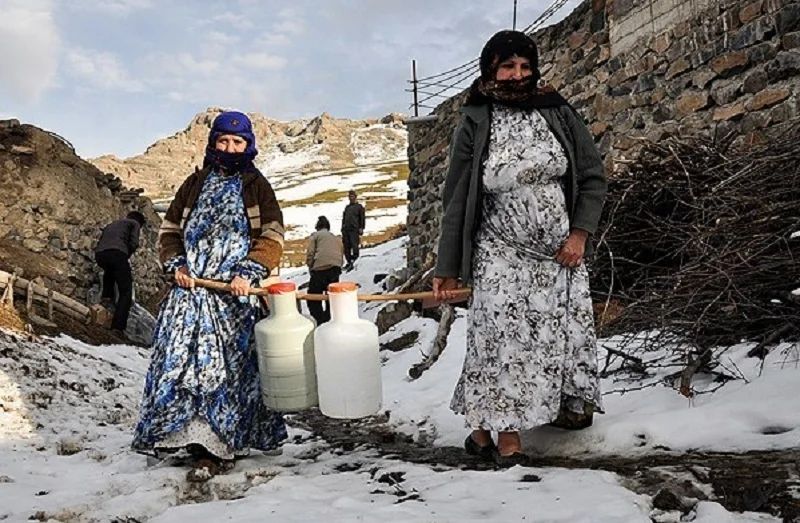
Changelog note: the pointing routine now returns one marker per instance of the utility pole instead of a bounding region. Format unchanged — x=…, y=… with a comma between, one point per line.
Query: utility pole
x=414, y=84
x=514, y=25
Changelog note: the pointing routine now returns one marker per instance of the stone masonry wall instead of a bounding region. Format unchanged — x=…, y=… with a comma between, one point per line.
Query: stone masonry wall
x=53, y=206
x=731, y=69
x=633, y=20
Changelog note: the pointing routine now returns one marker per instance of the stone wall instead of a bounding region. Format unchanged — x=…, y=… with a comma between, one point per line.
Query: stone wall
x=53, y=206
x=730, y=69
x=634, y=20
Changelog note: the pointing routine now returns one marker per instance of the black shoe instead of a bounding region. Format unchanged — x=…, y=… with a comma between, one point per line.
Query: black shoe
x=517, y=458
x=485, y=452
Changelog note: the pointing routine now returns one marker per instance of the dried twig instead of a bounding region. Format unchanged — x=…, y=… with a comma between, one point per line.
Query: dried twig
x=696, y=247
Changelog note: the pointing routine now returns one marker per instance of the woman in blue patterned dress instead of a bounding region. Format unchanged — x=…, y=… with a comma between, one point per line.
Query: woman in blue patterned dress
x=202, y=391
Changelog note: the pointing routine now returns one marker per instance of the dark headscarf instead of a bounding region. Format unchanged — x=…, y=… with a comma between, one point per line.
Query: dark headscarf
x=231, y=122
x=523, y=94
x=137, y=216
x=323, y=223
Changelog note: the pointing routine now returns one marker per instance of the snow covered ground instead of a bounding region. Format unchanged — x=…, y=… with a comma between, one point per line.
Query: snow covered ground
x=67, y=410
x=304, y=197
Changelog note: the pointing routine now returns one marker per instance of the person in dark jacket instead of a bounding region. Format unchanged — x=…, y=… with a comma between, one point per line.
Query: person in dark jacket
x=353, y=222
x=517, y=225
x=118, y=241
x=324, y=260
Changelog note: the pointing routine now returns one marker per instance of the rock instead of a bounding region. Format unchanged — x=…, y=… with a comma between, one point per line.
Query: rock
x=725, y=93
x=754, y=121
x=755, y=82
x=785, y=111
x=785, y=65
x=140, y=326
x=703, y=55
x=762, y=52
x=295, y=129
x=22, y=149
x=668, y=500
x=645, y=82
x=730, y=63
x=791, y=40
x=692, y=102
x=750, y=11
x=392, y=314
x=729, y=112
x=604, y=55
x=678, y=67
x=598, y=128
x=788, y=19
x=661, y=43
x=69, y=445
x=752, y=33
x=576, y=40
x=402, y=343
x=768, y=98
x=704, y=77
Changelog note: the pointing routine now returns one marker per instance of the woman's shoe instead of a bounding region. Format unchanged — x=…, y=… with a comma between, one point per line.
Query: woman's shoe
x=513, y=459
x=485, y=452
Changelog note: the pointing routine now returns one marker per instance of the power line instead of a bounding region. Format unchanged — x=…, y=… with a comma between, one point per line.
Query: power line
x=454, y=78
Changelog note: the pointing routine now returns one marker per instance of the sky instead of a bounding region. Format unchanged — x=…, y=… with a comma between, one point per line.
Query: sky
x=114, y=76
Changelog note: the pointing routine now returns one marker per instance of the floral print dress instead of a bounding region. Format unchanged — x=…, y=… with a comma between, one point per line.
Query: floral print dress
x=203, y=385
x=531, y=345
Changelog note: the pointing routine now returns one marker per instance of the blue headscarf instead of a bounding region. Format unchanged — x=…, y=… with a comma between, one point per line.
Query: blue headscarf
x=231, y=122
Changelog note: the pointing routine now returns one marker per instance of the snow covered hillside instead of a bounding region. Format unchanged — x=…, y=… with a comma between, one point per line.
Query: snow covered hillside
x=381, y=188
x=67, y=410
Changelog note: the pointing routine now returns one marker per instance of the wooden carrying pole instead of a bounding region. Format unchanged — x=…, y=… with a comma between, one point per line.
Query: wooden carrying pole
x=258, y=291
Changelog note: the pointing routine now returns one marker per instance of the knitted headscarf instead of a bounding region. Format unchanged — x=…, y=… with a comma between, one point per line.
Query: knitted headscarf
x=524, y=93
x=231, y=122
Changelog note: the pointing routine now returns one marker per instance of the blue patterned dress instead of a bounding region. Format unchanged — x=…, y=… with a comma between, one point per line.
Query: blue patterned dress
x=203, y=384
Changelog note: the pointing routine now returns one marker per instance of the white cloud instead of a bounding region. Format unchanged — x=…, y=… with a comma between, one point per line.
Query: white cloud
x=29, y=50
x=228, y=21
x=273, y=40
x=291, y=23
x=260, y=61
x=115, y=7
x=101, y=70
x=190, y=64
x=222, y=39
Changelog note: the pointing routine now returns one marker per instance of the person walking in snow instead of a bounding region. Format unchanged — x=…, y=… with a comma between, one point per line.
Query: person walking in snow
x=324, y=260
x=202, y=391
x=353, y=223
x=517, y=225
x=117, y=243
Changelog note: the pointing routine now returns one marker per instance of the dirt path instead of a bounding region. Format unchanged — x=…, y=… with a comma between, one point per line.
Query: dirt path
x=755, y=481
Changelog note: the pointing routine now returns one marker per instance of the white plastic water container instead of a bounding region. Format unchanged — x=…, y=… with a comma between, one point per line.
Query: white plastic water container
x=348, y=359
x=286, y=353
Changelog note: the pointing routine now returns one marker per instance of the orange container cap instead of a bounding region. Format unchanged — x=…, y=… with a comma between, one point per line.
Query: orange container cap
x=342, y=286
x=280, y=288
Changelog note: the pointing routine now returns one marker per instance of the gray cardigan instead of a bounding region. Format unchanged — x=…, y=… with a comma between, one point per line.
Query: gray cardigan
x=585, y=188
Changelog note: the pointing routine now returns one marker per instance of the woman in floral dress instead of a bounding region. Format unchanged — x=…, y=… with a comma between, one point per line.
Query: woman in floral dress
x=517, y=226
x=202, y=392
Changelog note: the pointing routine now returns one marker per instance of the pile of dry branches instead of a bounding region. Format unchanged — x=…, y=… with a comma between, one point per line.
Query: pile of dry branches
x=697, y=243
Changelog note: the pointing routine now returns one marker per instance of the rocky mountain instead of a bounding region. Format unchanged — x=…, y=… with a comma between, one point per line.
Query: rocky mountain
x=319, y=143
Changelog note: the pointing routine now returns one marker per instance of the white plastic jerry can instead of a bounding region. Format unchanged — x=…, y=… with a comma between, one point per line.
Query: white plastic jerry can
x=285, y=342
x=348, y=359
